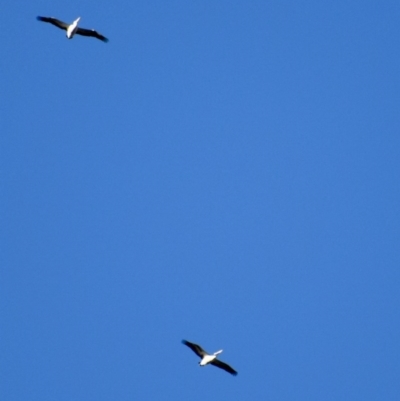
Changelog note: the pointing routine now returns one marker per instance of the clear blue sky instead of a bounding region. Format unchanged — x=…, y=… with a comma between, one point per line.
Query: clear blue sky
x=226, y=172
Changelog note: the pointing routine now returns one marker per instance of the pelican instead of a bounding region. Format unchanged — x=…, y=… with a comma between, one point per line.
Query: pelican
x=72, y=29
x=209, y=358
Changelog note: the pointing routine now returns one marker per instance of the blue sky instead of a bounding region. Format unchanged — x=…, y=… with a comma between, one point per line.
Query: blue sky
x=225, y=172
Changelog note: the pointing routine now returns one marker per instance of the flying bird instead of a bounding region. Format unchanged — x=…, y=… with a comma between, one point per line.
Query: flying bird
x=209, y=358
x=72, y=29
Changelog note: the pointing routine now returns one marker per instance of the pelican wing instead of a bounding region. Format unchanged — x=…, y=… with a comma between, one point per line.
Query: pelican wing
x=222, y=365
x=195, y=348
x=54, y=21
x=91, y=32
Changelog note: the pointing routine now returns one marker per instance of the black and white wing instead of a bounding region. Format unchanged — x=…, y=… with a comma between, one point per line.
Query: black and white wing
x=195, y=348
x=222, y=365
x=92, y=33
x=54, y=21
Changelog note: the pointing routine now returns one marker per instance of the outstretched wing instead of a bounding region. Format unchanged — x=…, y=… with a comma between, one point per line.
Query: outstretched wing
x=91, y=32
x=195, y=348
x=54, y=21
x=222, y=365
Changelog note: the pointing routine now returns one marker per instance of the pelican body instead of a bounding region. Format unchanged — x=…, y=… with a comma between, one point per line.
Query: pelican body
x=207, y=358
x=73, y=29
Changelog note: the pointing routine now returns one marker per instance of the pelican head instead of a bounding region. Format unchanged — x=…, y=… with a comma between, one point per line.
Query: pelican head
x=218, y=352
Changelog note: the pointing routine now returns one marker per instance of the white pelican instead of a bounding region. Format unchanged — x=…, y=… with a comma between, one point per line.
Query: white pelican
x=73, y=29
x=209, y=358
